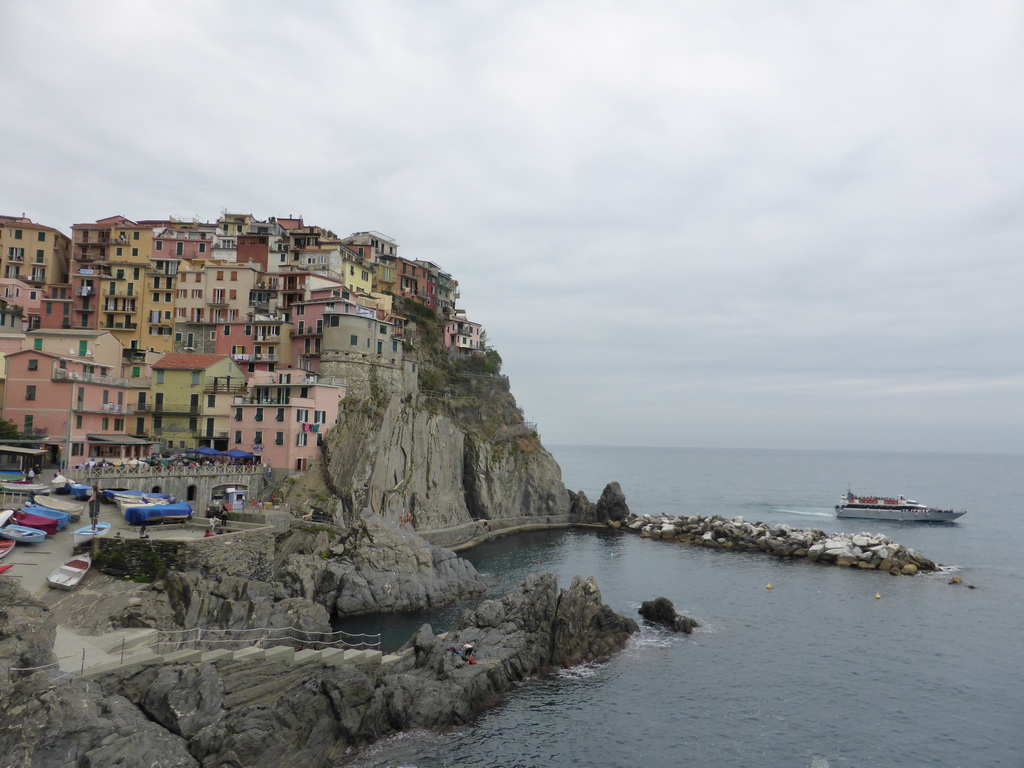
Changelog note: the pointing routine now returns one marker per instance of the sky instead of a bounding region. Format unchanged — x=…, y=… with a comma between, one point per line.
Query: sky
x=741, y=224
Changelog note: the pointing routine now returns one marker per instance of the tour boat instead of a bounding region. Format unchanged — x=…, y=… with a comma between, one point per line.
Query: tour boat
x=70, y=574
x=90, y=532
x=888, y=508
x=23, y=533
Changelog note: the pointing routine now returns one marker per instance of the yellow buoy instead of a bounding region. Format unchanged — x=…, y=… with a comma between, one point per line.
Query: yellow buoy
x=767, y=586
x=877, y=596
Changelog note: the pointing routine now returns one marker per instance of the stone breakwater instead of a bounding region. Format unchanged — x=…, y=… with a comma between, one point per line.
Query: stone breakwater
x=870, y=551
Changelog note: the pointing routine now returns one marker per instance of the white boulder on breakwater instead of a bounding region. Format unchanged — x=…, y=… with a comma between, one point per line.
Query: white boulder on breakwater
x=870, y=551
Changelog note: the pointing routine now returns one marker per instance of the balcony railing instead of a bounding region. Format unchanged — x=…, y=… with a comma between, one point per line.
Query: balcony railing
x=108, y=408
x=62, y=374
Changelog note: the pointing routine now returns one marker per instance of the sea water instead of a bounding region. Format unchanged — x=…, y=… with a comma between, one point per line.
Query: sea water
x=815, y=671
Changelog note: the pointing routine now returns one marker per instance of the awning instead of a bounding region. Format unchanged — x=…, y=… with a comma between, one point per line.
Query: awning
x=23, y=451
x=118, y=440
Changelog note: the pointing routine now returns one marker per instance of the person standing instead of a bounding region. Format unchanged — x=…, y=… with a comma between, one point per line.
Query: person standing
x=94, y=505
x=31, y=474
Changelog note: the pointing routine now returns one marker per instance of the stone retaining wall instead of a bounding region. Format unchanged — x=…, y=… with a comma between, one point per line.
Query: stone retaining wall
x=246, y=554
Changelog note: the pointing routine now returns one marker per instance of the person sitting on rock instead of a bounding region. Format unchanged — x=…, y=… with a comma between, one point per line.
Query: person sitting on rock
x=467, y=653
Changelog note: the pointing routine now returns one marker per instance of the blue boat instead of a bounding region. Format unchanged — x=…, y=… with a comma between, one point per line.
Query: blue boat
x=23, y=533
x=157, y=513
x=62, y=518
x=79, y=491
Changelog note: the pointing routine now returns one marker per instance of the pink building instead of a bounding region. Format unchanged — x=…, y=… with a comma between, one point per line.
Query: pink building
x=462, y=336
x=284, y=417
x=71, y=404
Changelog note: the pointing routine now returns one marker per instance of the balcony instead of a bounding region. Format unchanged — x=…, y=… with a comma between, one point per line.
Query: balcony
x=105, y=408
x=174, y=409
x=62, y=374
x=217, y=301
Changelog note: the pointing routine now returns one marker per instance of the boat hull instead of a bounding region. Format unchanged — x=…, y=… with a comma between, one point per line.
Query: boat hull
x=912, y=515
x=70, y=574
x=87, y=534
x=22, y=533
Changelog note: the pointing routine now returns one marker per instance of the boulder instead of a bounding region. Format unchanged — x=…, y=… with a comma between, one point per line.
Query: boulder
x=662, y=611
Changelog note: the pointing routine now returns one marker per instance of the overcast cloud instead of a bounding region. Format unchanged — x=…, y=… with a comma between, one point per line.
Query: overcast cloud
x=772, y=224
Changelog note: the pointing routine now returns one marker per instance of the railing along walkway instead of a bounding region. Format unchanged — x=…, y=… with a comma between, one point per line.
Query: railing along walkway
x=175, y=645
x=145, y=470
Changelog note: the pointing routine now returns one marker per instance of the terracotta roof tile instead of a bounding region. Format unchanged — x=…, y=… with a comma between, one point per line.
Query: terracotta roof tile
x=191, y=361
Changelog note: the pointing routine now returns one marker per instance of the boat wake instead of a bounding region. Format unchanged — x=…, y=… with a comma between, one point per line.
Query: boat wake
x=804, y=512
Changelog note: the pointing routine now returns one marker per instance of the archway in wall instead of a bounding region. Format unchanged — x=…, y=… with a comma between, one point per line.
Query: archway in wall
x=156, y=489
x=191, y=493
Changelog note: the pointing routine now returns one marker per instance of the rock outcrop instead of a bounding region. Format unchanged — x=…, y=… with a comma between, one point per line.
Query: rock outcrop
x=277, y=713
x=611, y=507
x=372, y=567
x=27, y=630
x=662, y=611
x=418, y=467
x=869, y=551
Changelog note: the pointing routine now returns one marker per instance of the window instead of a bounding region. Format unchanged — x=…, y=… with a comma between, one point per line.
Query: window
x=280, y=414
x=195, y=378
x=227, y=330
x=159, y=245
x=29, y=419
x=179, y=249
x=279, y=439
x=78, y=421
x=119, y=425
x=136, y=372
x=33, y=364
x=238, y=436
x=193, y=425
x=159, y=377
x=135, y=251
x=106, y=423
x=158, y=422
x=135, y=235
x=353, y=340
x=41, y=237
x=211, y=401
x=238, y=414
x=17, y=234
x=30, y=392
x=300, y=439
x=259, y=414
x=258, y=438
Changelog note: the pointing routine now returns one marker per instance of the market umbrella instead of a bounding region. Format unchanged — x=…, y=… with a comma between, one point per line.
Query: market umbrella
x=205, y=451
x=238, y=453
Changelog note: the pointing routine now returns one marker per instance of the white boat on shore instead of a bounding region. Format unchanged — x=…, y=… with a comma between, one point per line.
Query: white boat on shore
x=70, y=574
x=75, y=509
x=888, y=508
x=26, y=487
x=90, y=532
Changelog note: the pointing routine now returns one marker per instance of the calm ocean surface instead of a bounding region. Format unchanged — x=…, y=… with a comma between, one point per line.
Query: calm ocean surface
x=815, y=672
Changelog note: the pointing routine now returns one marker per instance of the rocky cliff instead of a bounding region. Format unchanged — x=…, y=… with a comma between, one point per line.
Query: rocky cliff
x=272, y=714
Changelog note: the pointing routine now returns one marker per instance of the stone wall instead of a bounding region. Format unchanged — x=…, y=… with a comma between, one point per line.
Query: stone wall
x=245, y=554
x=167, y=480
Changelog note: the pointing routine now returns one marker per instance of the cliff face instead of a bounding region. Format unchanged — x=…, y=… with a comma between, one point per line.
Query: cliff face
x=415, y=465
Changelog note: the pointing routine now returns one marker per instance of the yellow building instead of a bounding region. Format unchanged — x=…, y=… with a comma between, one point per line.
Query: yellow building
x=33, y=253
x=191, y=399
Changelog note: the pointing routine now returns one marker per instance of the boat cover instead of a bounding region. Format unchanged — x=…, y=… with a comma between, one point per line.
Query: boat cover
x=79, y=491
x=40, y=523
x=62, y=518
x=143, y=514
